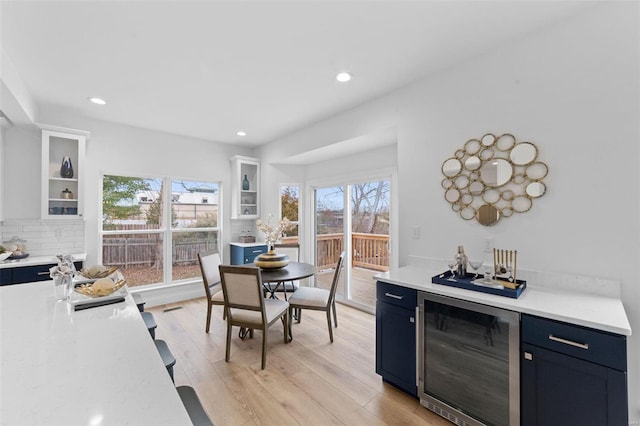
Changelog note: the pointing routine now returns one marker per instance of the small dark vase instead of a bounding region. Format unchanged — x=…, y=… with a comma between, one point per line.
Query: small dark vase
x=66, y=168
x=245, y=183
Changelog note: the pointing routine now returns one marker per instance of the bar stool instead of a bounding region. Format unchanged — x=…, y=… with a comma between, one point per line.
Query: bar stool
x=166, y=355
x=193, y=406
x=139, y=301
x=150, y=322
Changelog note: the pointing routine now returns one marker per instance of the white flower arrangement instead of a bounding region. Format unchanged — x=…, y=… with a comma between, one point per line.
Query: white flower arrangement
x=271, y=234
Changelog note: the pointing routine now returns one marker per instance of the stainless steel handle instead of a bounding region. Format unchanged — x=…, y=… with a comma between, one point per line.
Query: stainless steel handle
x=257, y=251
x=394, y=296
x=417, y=348
x=569, y=342
x=44, y=273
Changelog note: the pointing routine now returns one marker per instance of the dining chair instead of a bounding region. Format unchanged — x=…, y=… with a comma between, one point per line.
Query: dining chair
x=246, y=306
x=293, y=251
x=318, y=299
x=211, y=279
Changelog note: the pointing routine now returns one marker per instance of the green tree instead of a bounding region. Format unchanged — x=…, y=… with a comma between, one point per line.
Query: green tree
x=289, y=198
x=119, y=197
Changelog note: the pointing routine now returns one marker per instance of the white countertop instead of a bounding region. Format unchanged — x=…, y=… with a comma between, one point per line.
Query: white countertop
x=38, y=260
x=587, y=309
x=92, y=367
x=254, y=244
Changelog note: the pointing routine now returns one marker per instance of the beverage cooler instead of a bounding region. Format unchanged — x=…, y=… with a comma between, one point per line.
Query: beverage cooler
x=468, y=368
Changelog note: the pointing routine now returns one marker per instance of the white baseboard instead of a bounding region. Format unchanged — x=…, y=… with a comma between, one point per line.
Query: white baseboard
x=162, y=295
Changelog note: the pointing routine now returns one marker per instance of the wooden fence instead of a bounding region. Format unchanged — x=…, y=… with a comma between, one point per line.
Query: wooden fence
x=142, y=250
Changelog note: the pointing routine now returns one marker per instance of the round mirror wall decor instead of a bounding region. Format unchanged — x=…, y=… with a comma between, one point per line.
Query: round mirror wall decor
x=492, y=177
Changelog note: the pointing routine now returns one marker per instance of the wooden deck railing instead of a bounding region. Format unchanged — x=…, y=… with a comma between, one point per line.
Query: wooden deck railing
x=370, y=251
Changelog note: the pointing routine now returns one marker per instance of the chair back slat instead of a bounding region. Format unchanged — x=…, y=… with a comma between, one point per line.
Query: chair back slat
x=210, y=273
x=336, y=278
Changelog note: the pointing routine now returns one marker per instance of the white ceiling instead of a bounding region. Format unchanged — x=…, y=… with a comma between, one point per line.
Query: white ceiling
x=209, y=68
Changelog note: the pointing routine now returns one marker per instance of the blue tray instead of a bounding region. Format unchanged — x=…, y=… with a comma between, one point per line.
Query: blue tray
x=466, y=282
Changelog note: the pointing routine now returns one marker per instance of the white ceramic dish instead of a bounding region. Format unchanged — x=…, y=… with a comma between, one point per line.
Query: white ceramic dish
x=5, y=255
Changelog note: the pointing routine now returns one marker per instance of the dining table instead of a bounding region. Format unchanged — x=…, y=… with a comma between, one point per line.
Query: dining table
x=272, y=279
x=94, y=366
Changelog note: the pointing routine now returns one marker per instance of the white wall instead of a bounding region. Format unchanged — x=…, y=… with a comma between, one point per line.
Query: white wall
x=573, y=90
x=120, y=150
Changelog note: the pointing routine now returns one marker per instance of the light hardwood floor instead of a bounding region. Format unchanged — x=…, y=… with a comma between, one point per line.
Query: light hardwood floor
x=306, y=382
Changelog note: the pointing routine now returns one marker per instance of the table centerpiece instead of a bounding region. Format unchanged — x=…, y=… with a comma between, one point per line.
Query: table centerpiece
x=271, y=259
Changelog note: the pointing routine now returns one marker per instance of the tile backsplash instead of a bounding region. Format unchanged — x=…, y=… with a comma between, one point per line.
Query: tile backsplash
x=46, y=237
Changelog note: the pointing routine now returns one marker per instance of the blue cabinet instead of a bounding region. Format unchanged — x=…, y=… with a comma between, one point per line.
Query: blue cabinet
x=572, y=375
x=27, y=274
x=396, y=336
x=241, y=255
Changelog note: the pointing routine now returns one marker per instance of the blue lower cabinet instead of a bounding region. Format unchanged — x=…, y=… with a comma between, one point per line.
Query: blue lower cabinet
x=396, y=336
x=27, y=274
x=572, y=375
x=244, y=255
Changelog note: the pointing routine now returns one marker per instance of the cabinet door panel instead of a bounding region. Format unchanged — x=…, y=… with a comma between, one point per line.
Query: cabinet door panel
x=563, y=390
x=396, y=346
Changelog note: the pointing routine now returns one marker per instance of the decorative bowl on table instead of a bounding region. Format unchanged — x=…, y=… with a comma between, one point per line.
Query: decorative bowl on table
x=102, y=287
x=271, y=260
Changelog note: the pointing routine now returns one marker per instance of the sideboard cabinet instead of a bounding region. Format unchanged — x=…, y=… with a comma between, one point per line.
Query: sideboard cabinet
x=572, y=375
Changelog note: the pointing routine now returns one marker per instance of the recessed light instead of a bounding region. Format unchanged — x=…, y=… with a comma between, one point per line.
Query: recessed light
x=241, y=133
x=98, y=101
x=343, y=77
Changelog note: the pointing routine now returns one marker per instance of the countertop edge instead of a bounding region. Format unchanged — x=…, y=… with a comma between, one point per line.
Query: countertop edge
x=39, y=260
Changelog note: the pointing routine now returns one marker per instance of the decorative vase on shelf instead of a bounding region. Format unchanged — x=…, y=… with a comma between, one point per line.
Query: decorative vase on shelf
x=66, y=168
x=245, y=183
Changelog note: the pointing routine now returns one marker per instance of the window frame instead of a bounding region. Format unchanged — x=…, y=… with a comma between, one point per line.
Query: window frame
x=165, y=229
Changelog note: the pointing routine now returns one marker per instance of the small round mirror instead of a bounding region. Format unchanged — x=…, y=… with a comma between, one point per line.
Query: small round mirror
x=476, y=187
x=488, y=139
x=521, y=204
x=537, y=171
x=536, y=189
x=451, y=167
x=472, y=146
x=452, y=195
x=491, y=196
x=461, y=182
x=523, y=153
x=468, y=213
x=505, y=142
x=472, y=163
x=488, y=215
x=496, y=172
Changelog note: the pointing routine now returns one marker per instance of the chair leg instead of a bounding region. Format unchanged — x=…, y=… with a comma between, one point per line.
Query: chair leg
x=290, y=320
x=285, y=324
x=264, y=347
x=299, y=315
x=329, y=324
x=224, y=313
x=228, y=352
x=208, y=317
x=335, y=316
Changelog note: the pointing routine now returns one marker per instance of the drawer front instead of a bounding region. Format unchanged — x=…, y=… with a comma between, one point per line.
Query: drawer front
x=250, y=253
x=27, y=274
x=397, y=295
x=596, y=346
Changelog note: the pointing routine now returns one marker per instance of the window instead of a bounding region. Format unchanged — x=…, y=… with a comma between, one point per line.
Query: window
x=289, y=208
x=140, y=229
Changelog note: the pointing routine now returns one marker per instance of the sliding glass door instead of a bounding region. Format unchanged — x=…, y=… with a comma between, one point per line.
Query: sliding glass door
x=353, y=218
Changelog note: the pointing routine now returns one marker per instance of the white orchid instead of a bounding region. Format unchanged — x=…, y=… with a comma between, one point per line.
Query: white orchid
x=271, y=234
